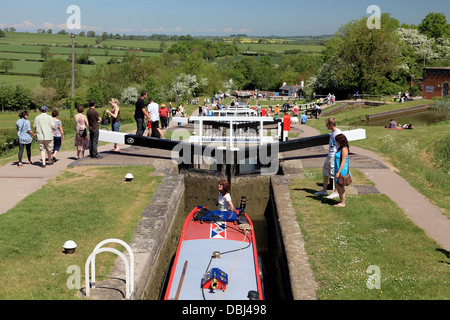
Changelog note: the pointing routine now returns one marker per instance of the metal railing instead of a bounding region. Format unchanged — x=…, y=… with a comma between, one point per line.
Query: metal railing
x=129, y=267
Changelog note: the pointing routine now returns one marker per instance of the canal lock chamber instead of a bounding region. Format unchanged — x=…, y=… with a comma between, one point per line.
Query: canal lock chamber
x=200, y=188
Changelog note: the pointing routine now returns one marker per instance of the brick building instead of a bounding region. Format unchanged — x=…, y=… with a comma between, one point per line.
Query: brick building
x=436, y=82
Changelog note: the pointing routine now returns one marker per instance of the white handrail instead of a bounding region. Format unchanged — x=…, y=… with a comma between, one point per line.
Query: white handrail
x=129, y=281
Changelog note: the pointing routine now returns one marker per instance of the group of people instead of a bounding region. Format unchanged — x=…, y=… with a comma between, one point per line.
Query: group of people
x=49, y=134
x=393, y=125
x=92, y=121
x=149, y=116
x=336, y=164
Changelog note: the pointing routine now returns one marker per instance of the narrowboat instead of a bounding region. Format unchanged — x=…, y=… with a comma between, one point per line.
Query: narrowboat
x=216, y=258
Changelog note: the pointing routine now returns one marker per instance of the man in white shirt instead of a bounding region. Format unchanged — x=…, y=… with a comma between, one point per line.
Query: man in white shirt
x=44, y=125
x=328, y=166
x=153, y=110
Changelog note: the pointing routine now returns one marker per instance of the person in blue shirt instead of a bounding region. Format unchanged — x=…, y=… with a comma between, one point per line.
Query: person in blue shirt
x=341, y=165
x=25, y=135
x=303, y=118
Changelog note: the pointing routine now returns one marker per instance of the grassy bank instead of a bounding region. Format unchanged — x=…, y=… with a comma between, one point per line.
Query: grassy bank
x=417, y=154
x=86, y=205
x=371, y=231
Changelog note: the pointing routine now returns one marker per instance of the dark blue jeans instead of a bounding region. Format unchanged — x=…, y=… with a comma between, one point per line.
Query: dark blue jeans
x=140, y=126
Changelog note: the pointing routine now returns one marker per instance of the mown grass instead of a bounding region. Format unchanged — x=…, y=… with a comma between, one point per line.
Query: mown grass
x=86, y=205
x=342, y=243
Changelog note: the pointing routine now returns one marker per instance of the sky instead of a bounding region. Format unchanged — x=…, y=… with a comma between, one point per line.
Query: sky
x=209, y=17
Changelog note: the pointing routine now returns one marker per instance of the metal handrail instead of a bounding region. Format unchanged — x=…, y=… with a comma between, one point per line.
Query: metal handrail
x=129, y=280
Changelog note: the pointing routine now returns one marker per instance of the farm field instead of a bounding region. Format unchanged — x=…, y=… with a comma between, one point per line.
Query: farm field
x=29, y=82
x=24, y=49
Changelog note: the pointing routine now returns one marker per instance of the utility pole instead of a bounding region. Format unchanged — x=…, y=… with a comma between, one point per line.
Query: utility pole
x=73, y=64
x=176, y=84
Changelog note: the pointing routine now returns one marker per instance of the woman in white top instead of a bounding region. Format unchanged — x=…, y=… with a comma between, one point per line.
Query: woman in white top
x=224, y=201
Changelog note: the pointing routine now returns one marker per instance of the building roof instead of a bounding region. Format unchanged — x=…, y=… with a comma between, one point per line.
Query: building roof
x=286, y=87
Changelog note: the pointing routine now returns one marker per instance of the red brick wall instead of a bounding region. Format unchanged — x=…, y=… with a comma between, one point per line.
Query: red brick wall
x=433, y=81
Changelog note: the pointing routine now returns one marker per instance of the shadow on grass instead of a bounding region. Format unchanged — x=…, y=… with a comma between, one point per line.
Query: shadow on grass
x=312, y=195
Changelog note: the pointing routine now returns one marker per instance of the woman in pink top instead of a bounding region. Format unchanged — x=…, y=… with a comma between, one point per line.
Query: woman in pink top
x=81, y=137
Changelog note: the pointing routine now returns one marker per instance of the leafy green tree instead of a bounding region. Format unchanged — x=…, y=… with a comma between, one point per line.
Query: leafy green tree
x=264, y=75
x=435, y=25
x=45, y=53
x=6, y=65
x=153, y=87
x=359, y=58
x=57, y=73
x=5, y=92
x=14, y=98
x=41, y=96
x=94, y=93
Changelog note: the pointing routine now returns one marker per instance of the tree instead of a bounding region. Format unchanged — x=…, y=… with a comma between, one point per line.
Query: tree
x=41, y=96
x=94, y=93
x=45, y=53
x=2, y=34
x=130, y=95
x=359, y=58
x=153, y=87
x=7, y=65
x=265, y=76
x=435, y=26
x=57, y=73
x=14, y=98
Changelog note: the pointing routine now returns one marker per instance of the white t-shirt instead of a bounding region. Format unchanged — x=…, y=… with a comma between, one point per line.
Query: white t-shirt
x=153, y=110
x=223, y=202
x=332, y=148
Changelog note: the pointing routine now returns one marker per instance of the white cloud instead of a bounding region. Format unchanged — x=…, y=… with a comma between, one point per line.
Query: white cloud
x=24, y=25
x=246, y=31
x=162, y=30
x=121, y=30
x=47, y=25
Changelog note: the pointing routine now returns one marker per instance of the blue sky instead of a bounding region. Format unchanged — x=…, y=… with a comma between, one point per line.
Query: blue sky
x=212, y=17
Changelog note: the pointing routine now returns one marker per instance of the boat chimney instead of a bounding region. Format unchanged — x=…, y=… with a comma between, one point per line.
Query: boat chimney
x=242, y=206
x=253, y=295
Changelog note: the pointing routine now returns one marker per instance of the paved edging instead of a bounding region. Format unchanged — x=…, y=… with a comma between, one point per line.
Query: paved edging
x=303, y=284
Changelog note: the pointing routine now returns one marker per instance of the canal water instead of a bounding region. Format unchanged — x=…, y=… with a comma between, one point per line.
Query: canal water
x=418, y=119
x=201, y=189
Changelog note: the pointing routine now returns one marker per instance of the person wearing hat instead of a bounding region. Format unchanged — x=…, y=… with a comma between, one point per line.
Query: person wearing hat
x=164, y=116
x=44, y=126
